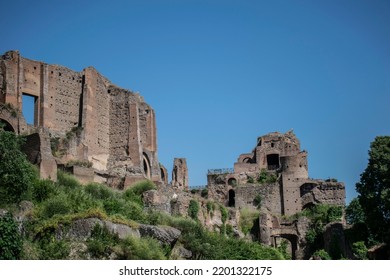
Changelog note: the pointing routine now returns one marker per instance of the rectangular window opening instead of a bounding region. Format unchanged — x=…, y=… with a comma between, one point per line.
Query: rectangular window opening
x=30, y=109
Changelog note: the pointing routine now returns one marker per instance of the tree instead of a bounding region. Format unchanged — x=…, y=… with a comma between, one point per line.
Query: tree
x=354, y=212
x=374, y=189
x=16, y=173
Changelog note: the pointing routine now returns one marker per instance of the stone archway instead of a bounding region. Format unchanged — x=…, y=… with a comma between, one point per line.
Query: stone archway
x=289, y=234
x=6, y=125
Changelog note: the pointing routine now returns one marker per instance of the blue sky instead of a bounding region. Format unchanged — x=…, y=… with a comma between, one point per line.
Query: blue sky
x=221, y=73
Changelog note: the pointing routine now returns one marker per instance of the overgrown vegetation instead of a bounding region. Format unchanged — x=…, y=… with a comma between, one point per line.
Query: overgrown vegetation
x=57, y=204
x=10, y=239
x=16, y=173
x=247, y=219
x=193, y=209
x=265, y=177
x=320, y=215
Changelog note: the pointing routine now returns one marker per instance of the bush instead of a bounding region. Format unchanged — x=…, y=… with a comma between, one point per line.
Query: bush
x=224, y=214
x=101, y=242
x=67, y=180
x=204, y=193
x=322, y=254
x=210, y=206
x=193, y=209
x=142, y=186
x=359, y=250
x=43, y=189
x=99, y=191
x=266, y=178
x=55, y=250
x=58, y=205
x=16, y=173
x=133, y=248
x=247, y=218
x=10, y=239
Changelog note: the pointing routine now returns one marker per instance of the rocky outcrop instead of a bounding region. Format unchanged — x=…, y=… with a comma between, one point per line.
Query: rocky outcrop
x=164, y=234
x=81, y=230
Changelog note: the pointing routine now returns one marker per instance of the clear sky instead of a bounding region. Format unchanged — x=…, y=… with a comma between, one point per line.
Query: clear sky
x=221, y=73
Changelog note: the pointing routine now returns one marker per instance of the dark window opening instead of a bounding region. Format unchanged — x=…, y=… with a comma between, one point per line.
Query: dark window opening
x=232, y=199
x=272, y=145
x=247, y=160
x=30, y=109
x=146, y=164
x=273, y=161
x=174, y=174
x=162, y=174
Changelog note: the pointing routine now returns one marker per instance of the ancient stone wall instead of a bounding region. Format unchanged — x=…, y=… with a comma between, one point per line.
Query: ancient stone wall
x=115, y=127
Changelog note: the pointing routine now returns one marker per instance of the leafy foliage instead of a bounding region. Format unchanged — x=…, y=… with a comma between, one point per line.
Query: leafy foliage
x=224, y=214
x=354, y=212
x=247, y=219
x=266, y=178
x=10, y=239
x=320, y=215
x=359, y=250
x=16, y=173
x=322, y=254
x=374, y=189
x=193, y=209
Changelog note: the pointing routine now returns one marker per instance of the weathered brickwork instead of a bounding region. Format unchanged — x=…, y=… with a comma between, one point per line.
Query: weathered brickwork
x=90, y=118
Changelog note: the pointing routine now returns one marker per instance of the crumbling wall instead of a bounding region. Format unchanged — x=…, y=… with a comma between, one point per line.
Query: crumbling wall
x=180, y=174
x=95, y=121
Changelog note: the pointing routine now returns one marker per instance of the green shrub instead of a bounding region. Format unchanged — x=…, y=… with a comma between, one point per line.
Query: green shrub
x=133, y=248
x=55, y=250
x=193, y=209
x=204, y=193
x=224, y=214
x=229, y=230
x=247, y=218
x=58, y=205
x=142, y=186
x=66, y=180
x=101, y=242
x=322, y=254
x=359, y=250
x=282, y=248
x=99, y=191
x=16, y=173
x=210, y=206
x=43, y=189
x=79, y=200
x=10, y=240
x=266, y=178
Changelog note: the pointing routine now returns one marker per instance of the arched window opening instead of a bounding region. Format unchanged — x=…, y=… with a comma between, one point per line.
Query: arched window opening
x=6, y=126
x=146, y=164
x=232, y=182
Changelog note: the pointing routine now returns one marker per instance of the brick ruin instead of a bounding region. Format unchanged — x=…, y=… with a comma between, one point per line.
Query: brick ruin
x=288, y=190
x=102, y=133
